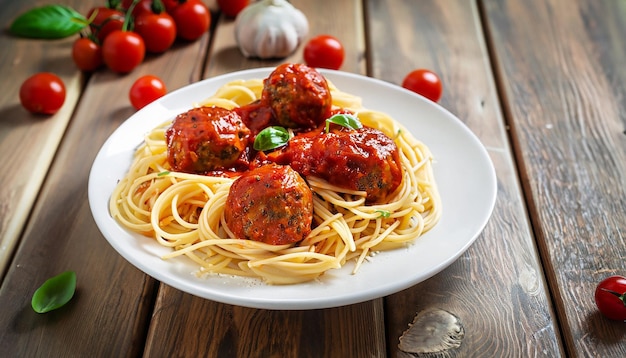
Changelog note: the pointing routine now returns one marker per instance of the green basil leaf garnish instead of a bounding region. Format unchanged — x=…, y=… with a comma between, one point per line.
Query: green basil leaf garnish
x=55, y=292
x=271, y=138
x=344, y=120
x=384, y=213
x=48, y=22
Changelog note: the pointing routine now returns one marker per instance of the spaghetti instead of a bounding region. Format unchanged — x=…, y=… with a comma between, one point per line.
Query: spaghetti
x=185, y=212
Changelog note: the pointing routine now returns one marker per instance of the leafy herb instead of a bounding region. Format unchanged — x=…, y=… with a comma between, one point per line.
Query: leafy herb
x=344, y=120
x=48, y=22
x=55, y=292
x=271, y=138
x=384, y=213
x=163, y=173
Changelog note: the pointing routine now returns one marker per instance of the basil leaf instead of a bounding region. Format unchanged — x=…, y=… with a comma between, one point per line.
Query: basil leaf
x=344, y=120
x=54, y=293
x=383, y=213
x=48, y=22
x=270, y=138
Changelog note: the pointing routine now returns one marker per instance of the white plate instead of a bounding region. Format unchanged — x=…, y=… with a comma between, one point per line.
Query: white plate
x=463, y=170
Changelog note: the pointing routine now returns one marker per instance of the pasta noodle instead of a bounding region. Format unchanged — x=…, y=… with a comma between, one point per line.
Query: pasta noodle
x=185, y=211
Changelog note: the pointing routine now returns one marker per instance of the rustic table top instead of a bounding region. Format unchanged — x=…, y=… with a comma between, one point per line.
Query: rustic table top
x=540, y=82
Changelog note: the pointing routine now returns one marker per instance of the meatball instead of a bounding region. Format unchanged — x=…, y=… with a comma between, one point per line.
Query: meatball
x=364, y=159
x=298, y=96
x=205, y=139
x=271, y=204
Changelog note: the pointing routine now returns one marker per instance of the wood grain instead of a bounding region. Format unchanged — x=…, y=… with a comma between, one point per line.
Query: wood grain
x=496, y=289
x=342, y=19
x=21, y=58
x=109, y=315
x=187, y=326
x=561, y=66
x=541, y=83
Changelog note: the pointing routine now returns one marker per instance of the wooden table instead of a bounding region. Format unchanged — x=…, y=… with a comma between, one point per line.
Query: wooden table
x=542, y=83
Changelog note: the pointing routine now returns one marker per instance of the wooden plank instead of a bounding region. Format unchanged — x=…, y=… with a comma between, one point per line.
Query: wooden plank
x=108, y=315
x=341, y=19
x=187, y=326
x=496, y=289
x=19, y=59
x=356, y=330
x=562, y=73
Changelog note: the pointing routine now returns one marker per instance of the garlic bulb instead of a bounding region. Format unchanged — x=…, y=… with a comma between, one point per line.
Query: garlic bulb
x=270, y=29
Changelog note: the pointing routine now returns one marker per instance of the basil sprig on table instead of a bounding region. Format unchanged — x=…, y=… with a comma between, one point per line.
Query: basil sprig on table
x=48, y=22
x=344, y=120
x=55, y=292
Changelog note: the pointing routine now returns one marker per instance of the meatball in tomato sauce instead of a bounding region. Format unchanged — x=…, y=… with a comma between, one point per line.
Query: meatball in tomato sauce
x=271, y=204
x=298, y=96
x=364, y=159
x=205, y=139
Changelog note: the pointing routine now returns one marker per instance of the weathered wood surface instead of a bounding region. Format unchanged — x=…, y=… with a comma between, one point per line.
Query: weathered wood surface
x=499, y=276
x=28, y=142
x=541, y=83
x=113, y=303
x=560, y=65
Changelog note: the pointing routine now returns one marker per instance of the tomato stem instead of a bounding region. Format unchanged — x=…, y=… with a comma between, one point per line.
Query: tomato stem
x=157, y=6
x=113, y=4
x=128, y=17
x=621, y=296
x=93, y=16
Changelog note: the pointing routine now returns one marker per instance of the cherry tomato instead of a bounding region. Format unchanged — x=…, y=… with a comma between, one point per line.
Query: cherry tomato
x=324, y=51
x=87, y=54
x=170, y=4
x=192, y=19
x=122, y=51
x=145, y=90
x=105, y=21
x=232, y=7
x=125, y=4
x=157, y=30
x=610, y=297
x=142, y=7
x=425, y=83
x=42, y=93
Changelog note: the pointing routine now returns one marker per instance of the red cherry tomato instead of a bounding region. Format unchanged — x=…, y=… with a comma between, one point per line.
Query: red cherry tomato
x=125, y=4
x=142, y=7
x=42, y=93
x=105, y=21
x=232, y=7
x=425, y=83
x=122, y=51
x=145, y=90
x=87, y=55
x=157, y=30
x=324, y=51
x=192, y=19
x=610, y=295
x=170, y=5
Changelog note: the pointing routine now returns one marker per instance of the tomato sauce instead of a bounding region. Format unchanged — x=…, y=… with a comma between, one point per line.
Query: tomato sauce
x=271, y=204
x=205, y=139
x=298, y=95
x=270, y=200
x=364, y=159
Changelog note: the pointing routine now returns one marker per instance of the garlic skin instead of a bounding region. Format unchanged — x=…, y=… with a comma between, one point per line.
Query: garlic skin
x=270, y=29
